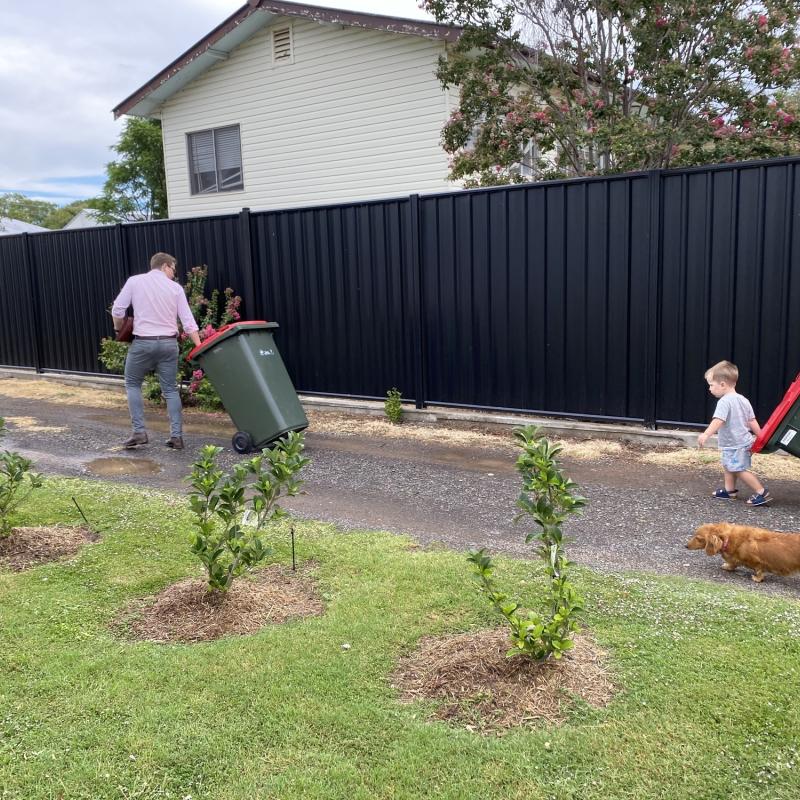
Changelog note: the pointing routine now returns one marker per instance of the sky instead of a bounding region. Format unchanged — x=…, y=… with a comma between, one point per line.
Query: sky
x=65, y=65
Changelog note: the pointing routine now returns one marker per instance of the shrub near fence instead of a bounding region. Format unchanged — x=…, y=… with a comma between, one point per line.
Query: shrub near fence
x=602, y=298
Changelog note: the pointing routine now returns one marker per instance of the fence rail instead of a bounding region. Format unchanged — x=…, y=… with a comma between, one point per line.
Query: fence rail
x=602, y=298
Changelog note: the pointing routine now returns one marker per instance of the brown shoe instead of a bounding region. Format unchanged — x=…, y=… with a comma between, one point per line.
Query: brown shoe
x=135, y=441
x=175, y=442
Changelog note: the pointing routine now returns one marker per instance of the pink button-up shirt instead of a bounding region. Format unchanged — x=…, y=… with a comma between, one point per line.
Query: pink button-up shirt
x=157, y=304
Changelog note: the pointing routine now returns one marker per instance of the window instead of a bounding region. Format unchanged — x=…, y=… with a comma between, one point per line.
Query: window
x=215, y=160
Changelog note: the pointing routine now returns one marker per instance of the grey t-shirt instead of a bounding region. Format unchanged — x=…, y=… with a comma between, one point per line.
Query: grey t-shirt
x=736, y=411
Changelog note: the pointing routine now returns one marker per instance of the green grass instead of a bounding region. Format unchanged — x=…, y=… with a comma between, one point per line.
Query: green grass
x=709, y=675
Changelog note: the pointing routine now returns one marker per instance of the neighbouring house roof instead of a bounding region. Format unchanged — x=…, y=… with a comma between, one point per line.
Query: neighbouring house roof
x=244, y=23
x=9, y=226
x=86, y=218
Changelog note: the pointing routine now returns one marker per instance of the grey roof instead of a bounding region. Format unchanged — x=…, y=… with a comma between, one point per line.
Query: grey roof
x=9, y=226
x=243, y=24
x=86, y=218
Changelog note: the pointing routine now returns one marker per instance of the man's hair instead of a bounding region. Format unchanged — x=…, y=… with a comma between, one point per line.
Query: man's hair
x=723, y=372
x=159, y=259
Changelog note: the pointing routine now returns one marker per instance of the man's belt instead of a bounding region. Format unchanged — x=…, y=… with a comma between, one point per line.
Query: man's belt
x=171, y=336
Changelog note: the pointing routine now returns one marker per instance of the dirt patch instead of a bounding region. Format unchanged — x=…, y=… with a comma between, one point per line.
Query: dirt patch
x=61, y=392
x=33, y=425
x=446, y=432
x=187, y=612
x=479, y=688
x=768, y=466
x=28, y=547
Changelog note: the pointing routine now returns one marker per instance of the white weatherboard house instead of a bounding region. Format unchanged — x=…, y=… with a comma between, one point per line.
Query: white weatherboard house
x=285, y=104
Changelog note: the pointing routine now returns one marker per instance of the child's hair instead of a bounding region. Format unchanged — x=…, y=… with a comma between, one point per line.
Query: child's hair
x=723, y=372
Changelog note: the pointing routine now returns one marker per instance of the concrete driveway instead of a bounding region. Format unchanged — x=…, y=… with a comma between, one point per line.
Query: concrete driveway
x=638, y=517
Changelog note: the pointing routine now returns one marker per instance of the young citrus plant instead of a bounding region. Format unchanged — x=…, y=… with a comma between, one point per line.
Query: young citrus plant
x=17, y=481
x=393, y=406
x=223, y=543
x=548, y=499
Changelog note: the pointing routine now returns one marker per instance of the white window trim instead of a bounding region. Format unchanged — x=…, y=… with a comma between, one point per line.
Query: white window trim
x=194, y=189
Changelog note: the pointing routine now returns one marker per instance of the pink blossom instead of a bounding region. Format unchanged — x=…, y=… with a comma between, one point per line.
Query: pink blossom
x=541, y=116
x=598, y=104
x=661, y=22
x=197, y=374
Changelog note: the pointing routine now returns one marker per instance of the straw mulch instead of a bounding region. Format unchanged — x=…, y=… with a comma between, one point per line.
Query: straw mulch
x=27, y=547
x=478, y=687
x=188, y=612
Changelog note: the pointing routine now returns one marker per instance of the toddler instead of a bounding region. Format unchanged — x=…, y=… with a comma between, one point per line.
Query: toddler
x=735, y=425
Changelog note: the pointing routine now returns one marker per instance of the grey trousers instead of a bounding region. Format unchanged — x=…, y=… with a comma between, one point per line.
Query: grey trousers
x=160, y=355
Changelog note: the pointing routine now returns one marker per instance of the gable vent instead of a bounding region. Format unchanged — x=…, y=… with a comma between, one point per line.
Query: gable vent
x=282, y=46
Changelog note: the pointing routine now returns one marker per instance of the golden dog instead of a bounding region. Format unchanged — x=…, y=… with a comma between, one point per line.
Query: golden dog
x=757, y=548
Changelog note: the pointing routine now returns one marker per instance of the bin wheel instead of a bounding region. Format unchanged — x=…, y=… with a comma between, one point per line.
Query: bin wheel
x=242, y=442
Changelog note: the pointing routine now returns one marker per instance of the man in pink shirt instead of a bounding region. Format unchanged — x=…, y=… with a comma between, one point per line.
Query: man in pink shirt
x=158, y=302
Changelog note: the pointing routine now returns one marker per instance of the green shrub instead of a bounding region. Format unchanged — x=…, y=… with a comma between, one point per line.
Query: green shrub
x=548, y=498
x=393, y=407
x=225, y=546
x=112, y=355
x=17, y=481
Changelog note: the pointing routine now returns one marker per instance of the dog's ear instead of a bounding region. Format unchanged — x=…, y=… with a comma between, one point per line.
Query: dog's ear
x=713, y=544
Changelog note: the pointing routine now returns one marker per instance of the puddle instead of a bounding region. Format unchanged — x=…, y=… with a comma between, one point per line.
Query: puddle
x=117, y=465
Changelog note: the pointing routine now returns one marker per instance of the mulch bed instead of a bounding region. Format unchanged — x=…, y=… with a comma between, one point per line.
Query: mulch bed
x=28, y=547
x=188, y=612
x=481, y=689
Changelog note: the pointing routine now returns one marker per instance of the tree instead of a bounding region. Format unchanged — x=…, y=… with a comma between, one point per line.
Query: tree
x=135, y=187
x=585, y=87
x=17, y=206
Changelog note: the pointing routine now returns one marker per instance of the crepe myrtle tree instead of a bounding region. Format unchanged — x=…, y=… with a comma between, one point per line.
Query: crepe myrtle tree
x=587, y=87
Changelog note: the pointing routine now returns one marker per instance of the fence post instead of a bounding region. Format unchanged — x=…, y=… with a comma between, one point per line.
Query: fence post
x=34, y=327
x=246, y=251
x=653, y=302
x=418, y=299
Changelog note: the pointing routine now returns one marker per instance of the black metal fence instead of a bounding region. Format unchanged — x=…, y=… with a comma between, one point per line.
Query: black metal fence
x=600, y=298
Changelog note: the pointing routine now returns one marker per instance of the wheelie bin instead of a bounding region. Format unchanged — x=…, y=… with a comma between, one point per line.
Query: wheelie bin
x=782, y=431
x=245, y=367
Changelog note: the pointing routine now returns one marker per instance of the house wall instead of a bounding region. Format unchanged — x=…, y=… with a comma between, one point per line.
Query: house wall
x=358, y=115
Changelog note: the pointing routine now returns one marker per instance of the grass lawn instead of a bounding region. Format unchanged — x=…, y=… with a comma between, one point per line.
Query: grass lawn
x=708, y=675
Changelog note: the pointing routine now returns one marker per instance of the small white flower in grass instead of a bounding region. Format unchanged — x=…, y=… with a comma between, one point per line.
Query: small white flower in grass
x=547, y=745
x=132, y=757
x=345, y=646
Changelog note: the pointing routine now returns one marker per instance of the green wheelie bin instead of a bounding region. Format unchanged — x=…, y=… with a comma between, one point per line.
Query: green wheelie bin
x=245, y=367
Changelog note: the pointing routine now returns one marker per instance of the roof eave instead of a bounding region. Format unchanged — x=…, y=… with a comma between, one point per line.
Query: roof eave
x=240, y=26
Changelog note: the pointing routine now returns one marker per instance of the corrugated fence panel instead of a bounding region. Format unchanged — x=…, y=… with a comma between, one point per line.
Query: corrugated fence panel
x=729, y=285
x=77, y=275
x=337, y=280
x=17, y=323
x=602, y=298
x=531, y=296
x=210, y=241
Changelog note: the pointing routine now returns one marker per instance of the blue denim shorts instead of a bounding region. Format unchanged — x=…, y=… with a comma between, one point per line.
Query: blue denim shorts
x=735, y=459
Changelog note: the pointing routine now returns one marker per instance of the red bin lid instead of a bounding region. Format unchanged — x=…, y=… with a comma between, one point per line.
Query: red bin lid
x=789, y=399
x=228, y=330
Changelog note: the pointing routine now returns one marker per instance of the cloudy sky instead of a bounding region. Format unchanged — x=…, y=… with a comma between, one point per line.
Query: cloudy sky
x=65, y=65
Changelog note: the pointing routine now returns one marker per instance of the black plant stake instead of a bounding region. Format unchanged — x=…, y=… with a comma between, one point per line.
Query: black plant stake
x=294, y=566
x=80, y=511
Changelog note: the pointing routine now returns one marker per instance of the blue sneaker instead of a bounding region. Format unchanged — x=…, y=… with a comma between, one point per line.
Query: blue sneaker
x=726, y=494
x=760, y=499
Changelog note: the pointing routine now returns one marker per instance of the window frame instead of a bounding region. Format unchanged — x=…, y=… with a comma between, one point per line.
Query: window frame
x=196, y=188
